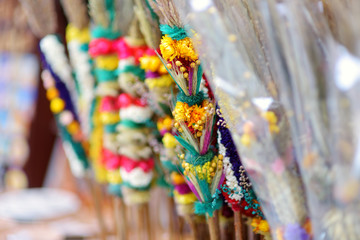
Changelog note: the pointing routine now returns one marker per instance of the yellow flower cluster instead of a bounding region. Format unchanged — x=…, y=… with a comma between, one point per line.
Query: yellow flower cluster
x=260, y=225
x=153, y=64
x=169, y=140
x=109, y=118
x=109, y=62
x=81, y=35
x=183, y=48
x=57, y=105
x=113, y=177
x=204, y=172
x=194, y=116
x=272, y=120
x=96, y=146
x=73, y=127
x=248, y=134
x=163, y=81
x=168, y=48
x=52, y=93
x=187, y=198
x=177, y=178
x=165, y=123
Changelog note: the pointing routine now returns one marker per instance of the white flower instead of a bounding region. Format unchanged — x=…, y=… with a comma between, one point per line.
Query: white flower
x=136, y=177
x=136, y=113
x=135, y=152
x=54, y=53
x=231, y=180
x=126, y=62
x=76, y=166
x=80, y=60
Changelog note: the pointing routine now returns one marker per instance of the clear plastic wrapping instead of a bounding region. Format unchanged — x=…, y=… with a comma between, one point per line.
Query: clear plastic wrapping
x=234, y=61
x=297, y=59
x=295, y=52
x=312, y=76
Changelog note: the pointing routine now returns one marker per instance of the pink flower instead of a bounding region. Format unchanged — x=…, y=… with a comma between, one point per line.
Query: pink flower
x=108, y=104
x=100, y=46
x=278, y=166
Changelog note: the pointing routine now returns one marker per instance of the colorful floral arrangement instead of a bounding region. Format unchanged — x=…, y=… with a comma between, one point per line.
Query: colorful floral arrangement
x=161, y=87
x=193, y=115
x=237, y=189
x=261, y=226
x=77, y=43
x=134, y=131
x=158, y=81
x=109, y=116
x=61, y=103
x=183, y=196
x=104, y=37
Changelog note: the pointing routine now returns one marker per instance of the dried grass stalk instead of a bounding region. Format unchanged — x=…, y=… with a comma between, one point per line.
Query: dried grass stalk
x=76, y=12
x=148, y=26
x=124, y=14
x=166, y=10
x=97, y=10
x=41, y=16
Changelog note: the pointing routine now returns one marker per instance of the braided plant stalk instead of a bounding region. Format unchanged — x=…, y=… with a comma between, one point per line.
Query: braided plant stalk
x=134, y=132
x=238, y=71
x=104, y=51
x=160, y=88
x=42, y=19
x=60, y=86
x=237, y=188
x=194, y=116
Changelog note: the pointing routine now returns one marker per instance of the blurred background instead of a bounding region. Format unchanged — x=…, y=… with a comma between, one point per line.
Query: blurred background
x=27, y=129
x=31, y=156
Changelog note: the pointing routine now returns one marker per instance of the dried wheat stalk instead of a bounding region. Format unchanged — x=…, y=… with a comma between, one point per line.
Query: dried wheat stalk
x=41, y=15
x=76, y=12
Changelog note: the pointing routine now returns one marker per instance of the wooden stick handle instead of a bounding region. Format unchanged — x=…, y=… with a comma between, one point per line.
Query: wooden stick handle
x=239, y=225
x=214, y=228
x=172, y=231
x=180, y=226
x=124, y=222
x=140, y=222
x=76, y=12
x=120, y=219
x=257, y=236
x=97, y=203
x=148, y=222
x=191, y=221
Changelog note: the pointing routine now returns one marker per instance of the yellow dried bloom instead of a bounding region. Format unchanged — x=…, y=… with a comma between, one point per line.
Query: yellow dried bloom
x=168, y=48
x=181, y=110
x=151, y=63
x=185, y=49
x=165, y=123
x=81, y=35
x=264, y=226
x=113, y=177
x=196, y=114
x=169, y=140
x=160, y=82
x=109, y=62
